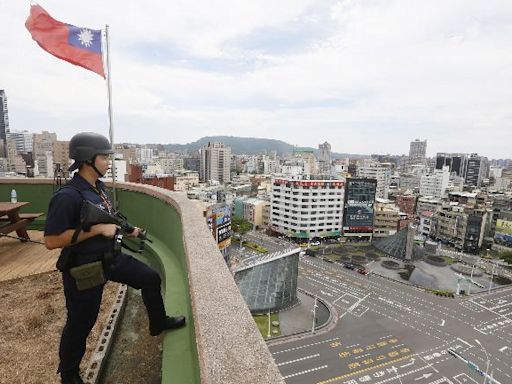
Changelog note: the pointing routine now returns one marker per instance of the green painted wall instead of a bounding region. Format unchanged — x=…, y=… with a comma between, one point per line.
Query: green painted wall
x=179, y=362
x=166, y=254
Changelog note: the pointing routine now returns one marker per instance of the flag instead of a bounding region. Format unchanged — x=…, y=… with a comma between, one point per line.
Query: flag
x=79, y=46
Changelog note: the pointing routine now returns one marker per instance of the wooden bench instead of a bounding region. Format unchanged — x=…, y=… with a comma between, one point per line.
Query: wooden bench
x=20, y=226
x=28, y=216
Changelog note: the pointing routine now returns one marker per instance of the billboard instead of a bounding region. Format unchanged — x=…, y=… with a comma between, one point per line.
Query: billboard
x=218, y=218
x=359, y=204
x=503, y=234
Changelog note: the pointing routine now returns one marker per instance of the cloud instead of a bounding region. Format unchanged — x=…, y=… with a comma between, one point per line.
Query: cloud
x=367, y=76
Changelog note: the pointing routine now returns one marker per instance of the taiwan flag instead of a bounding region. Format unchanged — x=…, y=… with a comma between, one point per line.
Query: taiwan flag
x=79, y=46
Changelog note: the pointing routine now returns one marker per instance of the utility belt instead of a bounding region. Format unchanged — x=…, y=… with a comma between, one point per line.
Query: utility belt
x=86, y=269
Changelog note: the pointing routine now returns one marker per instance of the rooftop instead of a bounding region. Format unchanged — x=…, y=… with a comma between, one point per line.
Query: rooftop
x=196, y=282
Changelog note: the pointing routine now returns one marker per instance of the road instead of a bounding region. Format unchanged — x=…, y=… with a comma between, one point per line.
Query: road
x=388, y=332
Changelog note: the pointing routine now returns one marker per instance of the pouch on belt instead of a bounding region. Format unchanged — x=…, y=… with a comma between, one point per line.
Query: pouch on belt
x=88, y=275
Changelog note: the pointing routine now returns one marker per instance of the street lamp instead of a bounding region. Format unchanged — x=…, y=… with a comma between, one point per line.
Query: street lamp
x=492, y=275
x=269, y=306
x=487, y=357
x=471, y=279
x=314, y=316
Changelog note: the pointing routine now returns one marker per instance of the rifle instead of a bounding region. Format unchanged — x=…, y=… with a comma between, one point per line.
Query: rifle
x=90, y=215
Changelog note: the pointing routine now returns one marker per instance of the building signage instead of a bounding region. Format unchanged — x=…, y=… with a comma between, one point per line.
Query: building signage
x=359, y=203
x=503, y=234
x=310, y=183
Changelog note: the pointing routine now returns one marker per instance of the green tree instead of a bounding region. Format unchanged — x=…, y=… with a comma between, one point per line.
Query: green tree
x=240, y=226
x=507, y=256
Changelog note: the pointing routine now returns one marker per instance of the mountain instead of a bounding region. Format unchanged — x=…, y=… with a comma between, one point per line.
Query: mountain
x=245, y=145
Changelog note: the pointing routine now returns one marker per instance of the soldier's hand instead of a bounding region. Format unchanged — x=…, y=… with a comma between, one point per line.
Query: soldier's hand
x=107, y=230
x=135, y=232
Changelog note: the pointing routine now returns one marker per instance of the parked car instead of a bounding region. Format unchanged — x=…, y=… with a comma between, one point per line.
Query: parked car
x=315, y=243
x=362, y=271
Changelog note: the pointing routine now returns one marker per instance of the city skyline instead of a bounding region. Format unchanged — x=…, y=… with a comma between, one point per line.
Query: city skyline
x=367, y=77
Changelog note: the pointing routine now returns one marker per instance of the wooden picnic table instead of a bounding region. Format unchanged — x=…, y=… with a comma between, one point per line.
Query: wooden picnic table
x=12, y=220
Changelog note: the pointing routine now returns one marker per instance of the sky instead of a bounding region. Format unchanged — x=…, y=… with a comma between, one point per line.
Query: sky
x=367, y=76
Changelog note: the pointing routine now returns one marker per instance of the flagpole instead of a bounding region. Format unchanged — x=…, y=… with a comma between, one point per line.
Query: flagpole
x=110, y=117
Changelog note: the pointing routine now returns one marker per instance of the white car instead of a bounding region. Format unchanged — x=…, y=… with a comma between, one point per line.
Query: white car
x=315, y=243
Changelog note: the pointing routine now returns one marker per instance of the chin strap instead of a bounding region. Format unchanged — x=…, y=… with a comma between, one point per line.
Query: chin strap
x=91, y=163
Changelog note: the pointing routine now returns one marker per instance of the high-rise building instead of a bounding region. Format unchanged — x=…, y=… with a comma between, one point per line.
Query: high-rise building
x=359, y=206
x=475, y=170
x=307, y=209
x=215, y=163
x=4, y=123
x=23, y=140
x=456, y=162
x=435, y=184
x=324, y=158
x=43, y=152
x=379, y=171
x=417, y=152
x=61, y=156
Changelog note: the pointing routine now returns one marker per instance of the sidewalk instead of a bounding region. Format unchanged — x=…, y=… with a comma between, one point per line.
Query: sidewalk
x=300, y=317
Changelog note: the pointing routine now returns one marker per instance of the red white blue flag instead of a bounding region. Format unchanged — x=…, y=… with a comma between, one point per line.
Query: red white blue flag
x=79, y=46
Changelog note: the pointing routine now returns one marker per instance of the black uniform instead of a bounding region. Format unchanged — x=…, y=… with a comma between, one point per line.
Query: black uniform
x=83, y=306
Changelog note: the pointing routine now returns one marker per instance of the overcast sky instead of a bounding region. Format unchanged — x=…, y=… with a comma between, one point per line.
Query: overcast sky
x=367, y=76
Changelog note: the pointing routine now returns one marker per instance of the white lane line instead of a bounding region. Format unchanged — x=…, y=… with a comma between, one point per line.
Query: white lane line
x=442, y=323
x=296, y=360
x=465, y=342
x=305, y=346
x=304, y=372
x=497, y=314
x=503, y=349
x=355, y=305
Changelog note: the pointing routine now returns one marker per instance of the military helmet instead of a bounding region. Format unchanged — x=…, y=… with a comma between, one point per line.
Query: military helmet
x=84, y=146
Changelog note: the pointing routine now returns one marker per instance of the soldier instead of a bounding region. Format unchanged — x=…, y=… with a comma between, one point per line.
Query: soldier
x=88, y=258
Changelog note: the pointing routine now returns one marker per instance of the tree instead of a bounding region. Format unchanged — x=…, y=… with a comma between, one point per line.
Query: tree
x=240, y=226
x=507, y=256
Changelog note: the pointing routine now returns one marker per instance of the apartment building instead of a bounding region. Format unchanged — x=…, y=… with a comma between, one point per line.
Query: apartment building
x=307, y=208
x=428, y=203
x=386, y=218
x=435, y=184
x=460, y=226
x=215, y=163
x=61, y=156
x=381, y=172
x=183, y=181
x=417, y=152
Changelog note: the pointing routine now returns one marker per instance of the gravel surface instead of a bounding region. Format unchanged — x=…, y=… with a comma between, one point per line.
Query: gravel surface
x=32, y=314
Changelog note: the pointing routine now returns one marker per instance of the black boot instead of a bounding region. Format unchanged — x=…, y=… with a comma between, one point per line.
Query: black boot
x=171, y=322
x=71, y=377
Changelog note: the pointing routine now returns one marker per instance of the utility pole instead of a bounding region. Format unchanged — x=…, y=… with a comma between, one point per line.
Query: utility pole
x=314, y=316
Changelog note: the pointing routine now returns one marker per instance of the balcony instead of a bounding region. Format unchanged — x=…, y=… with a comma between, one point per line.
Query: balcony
x=221, y=343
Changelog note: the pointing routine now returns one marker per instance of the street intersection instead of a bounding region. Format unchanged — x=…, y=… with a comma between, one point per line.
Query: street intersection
x=388, y=332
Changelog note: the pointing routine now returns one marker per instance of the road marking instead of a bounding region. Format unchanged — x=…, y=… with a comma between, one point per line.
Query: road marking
x=490, y=310
x=464, y=379
x=424, y=376
x=442, y=380
x=355, y=305
x=429, y=364
x=503, y=349
x=331, y=380
x=465, y=342
x=305, y=346
x=442, y=323
x=300, y=359
x=408, y=364
x=304, y=372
